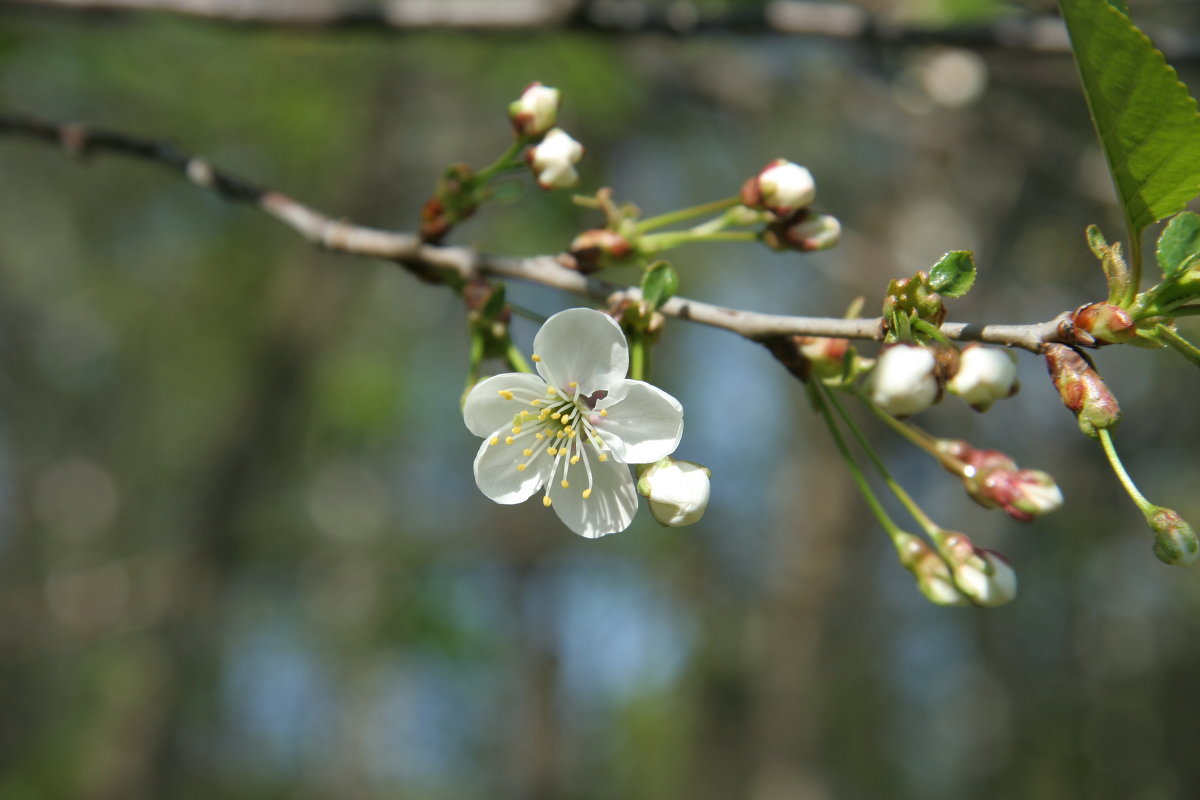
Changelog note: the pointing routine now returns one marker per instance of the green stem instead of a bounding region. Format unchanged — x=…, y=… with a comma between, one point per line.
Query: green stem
x=860, y=480
x=657, y=242
x=671, y=217
x=1135, y=263
x=915, y=435
x=532, y=316
x=929, y=526
x=639, y=357
x=1178, y=343
x=515, y=359
x=507, y=161
x=1110, y=450
x=931, y=330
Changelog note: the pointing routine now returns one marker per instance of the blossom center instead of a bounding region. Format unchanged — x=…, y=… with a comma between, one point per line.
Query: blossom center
x=558, y=425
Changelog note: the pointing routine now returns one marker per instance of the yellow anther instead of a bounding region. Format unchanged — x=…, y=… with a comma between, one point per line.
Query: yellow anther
x=521, y=467
x=560, y=434
x=571, y=434
x=551, y=451
x=525, y=413
x=536, y=358
x=546, y=501
x=587, y=493
x=508, y=440
x=604, y=412
x=556, y=415
x=506, y=394
x=527, y=452
x=602, y=457
x=551, y=391
x=535, y=402
x=573, y=384
x=574, y=459
x=516, y=429
x=495, y=440
x=539, y=436
x=566, y=484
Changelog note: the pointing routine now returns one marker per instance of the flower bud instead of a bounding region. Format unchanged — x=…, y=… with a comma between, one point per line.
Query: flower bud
x=677, y=490
x=598, y=248
x=780, y=187
x=1174, y=541
x=1082, y=390
x=904, y=381
x=934, y=578
x=553, y=160
x=985, y=375
x=992, y=479
x=804, y=230
x=826, y=357
x=984, y=576
x=535, y=111
x=1099, y=323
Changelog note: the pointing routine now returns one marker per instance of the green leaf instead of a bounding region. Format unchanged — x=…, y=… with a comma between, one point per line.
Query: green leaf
x=954, y=274
x=1147, y=122
x=1179, y=245
x=659, y=284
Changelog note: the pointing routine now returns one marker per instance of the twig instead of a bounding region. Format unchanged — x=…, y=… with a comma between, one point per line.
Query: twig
x=434, y=263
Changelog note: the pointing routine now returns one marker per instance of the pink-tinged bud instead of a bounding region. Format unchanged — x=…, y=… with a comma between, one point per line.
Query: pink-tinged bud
x=985, y=375
x=1174, y=541
x=535, y=111
x=992, y=479
x=804, y=230
x=553, y=160
x=934, y=578
x=984, y=576
x=598, y=248
x=781, y=187
x=1098, y=324
x=826, y=357
x=905, y=380
x=1082, y=390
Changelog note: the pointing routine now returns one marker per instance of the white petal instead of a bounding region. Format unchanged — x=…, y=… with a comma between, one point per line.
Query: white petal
x=584, y=346
x=486, y=410
x=608, y=509
x=643, y=426
x=496, y=471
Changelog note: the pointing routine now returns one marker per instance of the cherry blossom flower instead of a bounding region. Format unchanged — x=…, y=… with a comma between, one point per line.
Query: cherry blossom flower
x=572, y=428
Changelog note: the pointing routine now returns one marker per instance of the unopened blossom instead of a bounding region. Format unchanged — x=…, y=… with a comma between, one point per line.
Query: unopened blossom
x=780, y=187
x=553, y=160
x=985, y=375
x=535, y=111
x=676, y=490
x=805, y=231
x=1082, y=390
x=904, y=381
x=1174, y=540
x=983, y=575
x=572, y=429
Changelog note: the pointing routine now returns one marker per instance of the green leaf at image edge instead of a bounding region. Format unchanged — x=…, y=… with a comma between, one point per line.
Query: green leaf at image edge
x=1179, y=244
x=1147, y=122
x=954, y=274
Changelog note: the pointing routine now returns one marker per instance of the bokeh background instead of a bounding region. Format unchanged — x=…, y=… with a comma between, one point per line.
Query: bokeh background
x=241, y=550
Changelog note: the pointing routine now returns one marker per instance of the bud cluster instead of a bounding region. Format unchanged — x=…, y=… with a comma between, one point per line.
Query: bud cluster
x=787, y=191
x=993, y=480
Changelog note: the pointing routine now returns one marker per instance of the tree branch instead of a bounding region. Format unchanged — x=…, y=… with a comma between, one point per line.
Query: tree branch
x=435, y=263
x=1043, y=34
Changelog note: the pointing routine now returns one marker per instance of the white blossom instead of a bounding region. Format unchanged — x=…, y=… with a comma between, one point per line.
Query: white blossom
x=985, y=375
x=903, y=382
x=676, y=490
x=785, y=187
x=572, y=428
x=536, y=111
x=986, y=578
x=553, y=160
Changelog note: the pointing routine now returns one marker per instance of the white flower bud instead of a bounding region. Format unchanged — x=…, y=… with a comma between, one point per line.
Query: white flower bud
x=784, y=187
x=985, y=375
x=535, y=111
x=903, y=382
x=986, y=578
x=553, y=160
x=677, y=490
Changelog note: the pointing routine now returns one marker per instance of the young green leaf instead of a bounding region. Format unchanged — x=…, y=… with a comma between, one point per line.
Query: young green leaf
x=954, y=274
x=659, y=284
x=1179, y=245
x=1147, y=122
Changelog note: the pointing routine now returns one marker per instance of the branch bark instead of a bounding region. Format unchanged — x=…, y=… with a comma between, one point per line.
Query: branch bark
x=436, y=263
